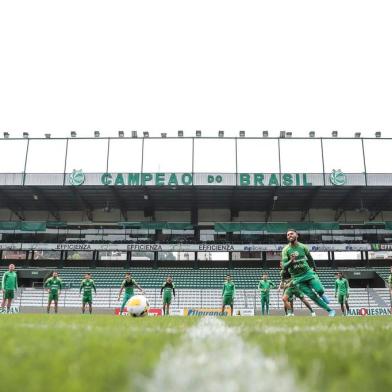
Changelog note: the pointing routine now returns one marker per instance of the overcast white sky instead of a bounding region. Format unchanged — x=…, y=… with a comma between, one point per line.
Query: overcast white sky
x=152, y=65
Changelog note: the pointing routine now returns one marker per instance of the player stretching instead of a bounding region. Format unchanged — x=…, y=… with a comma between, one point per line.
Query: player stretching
x=295, y=257
x=9, y=284
x=289, y=291
x=87, y=286
x=129, y=285
x=264, y=287
x=54, y=286
x=342, y=292
x=167, y=289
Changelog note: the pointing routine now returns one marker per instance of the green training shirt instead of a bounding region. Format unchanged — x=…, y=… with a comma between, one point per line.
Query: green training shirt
x=87, y=286
x=9, y=281
x=390, y=281
x=129, y=286
x=54, y=284
x=341, y=286
x=301, y=251
x=265, y=286
x=228, y=289
x=168, y=288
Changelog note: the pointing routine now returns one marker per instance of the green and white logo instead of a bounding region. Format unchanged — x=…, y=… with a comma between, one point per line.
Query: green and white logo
x=337, y=177
x=77, y=177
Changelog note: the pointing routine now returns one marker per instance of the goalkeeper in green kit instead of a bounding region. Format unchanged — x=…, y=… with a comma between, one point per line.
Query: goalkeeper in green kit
x=295, y=258
x=264, y=287
x=167, y=289
x=87, y=285
x=342, y=292
x=54, y=286
x=9, y=284
x=228, y=294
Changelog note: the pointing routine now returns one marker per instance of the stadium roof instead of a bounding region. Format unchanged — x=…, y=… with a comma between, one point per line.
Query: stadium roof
x=88, y=198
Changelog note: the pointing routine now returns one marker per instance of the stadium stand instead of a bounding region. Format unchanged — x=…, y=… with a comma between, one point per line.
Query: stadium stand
x=195, y=288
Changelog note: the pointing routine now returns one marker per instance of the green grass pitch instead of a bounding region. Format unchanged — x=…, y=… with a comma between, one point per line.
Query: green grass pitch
x=107, y=353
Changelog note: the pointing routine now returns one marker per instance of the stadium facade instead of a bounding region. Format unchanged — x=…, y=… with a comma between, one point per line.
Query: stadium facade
x=193, y=201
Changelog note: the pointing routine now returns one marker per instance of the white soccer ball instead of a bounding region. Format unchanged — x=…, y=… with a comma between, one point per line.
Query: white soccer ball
x=138, y=306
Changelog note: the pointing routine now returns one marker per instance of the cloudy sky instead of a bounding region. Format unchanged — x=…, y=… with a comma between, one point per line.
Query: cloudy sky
x=212, y=65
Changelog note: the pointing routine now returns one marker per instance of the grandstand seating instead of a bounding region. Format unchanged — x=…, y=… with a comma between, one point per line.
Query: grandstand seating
x=195, y=288
x=210, y=298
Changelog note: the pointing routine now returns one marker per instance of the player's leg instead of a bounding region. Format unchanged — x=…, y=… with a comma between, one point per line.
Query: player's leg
x=223, y=309
x=56, y=301
x=267, y=302
x=125, y=300
x=49, y=303
x=341, y=303
x=287, y=305
x=347, y=306
x=307, y=288
x=3, y=303
x=284, y=307
x=90, y=305
x=318, y=287
x=9, y=302
x=307, y=304
x=83, y=306
x=226, y=302
x=299, y=294
x=262, y=305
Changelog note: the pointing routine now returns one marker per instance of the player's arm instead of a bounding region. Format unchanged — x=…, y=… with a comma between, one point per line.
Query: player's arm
x=286, y=260
x=139, y=287
x=336, y=288
x=347, y=287
x=121, y=290
x=81, y=287
x=162, y=287
x=3, y=280
x=223, y=290
x=95, y=288
x=46, y=284
x=16, y=283
x=234, y=291
x=310, y=258
x=60, y=286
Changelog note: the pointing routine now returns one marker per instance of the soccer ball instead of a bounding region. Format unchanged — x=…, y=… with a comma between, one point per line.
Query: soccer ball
x=138, y=306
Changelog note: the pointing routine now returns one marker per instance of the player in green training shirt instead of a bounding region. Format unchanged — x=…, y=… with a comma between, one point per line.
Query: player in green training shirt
x=295, y=258
x=128, y=284
x=264, y=287
x=289, y=292
x=167, y=289
x=87, y=286
x=53, y=286
x=9, y=284
x=228, y=294
x=342, y=292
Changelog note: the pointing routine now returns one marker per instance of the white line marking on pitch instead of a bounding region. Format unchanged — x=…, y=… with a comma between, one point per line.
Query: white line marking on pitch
x=213, y=358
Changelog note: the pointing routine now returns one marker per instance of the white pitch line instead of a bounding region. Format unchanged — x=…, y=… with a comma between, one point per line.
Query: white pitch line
x=213, y=358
